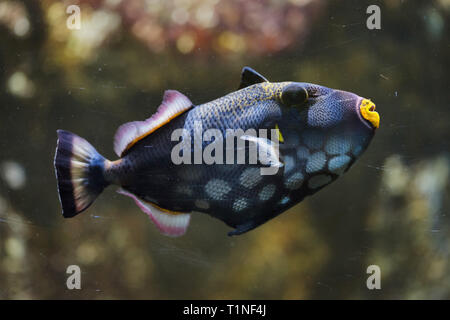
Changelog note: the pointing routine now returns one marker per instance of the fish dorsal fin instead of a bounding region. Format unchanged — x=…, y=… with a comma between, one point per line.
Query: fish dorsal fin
x=172, y=224
x=250, y=77
x=174, y=103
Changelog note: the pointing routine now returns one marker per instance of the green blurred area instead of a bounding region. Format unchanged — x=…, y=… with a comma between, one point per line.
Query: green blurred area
x=391, y=209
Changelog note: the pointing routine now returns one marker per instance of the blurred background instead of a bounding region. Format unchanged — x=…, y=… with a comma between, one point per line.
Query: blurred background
x=391, y=209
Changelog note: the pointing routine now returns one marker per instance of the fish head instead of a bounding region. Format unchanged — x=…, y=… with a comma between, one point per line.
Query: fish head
x=333, y=123
x=330, y=107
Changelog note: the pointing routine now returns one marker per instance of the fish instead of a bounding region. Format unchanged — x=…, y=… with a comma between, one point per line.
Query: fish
x=178, y=161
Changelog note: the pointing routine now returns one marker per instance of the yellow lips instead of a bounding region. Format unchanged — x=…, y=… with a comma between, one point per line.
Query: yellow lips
x=368, y=112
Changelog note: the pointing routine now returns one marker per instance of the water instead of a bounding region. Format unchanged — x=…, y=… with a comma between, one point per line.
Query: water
x=391, y=209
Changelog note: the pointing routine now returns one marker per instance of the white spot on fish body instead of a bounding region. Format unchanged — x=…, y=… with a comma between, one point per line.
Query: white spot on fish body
x=240, y=204
x=318, y=181
x=250, y=177
x=339, y=164
x=185, y=190
x=284, y=200
x=303, y=153
x=267, y=192
x=202, y=204
x=191, y=174
x=217, y=189
x=316, y=162
x=337, y=145
x=289, y=164
x=294, y=182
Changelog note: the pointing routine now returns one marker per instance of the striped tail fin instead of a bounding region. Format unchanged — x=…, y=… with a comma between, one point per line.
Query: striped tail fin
x=79, y=172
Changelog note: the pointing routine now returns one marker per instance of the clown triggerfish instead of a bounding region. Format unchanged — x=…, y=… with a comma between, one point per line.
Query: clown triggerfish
x=177, y=162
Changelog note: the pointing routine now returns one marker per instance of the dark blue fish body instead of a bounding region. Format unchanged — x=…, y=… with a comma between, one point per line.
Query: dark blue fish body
x=323, y=132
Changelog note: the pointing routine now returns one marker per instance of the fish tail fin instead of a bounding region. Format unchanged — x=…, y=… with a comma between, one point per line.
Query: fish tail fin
x=79, y=172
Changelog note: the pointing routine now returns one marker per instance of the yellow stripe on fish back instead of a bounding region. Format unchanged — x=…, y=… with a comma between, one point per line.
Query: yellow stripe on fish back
x=247, y=97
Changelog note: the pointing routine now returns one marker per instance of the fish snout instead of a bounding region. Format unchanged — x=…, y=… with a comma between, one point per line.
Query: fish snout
x=367, y=110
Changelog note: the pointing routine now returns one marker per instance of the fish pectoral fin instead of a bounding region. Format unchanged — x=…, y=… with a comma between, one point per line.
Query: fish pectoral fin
x=174, y=104
x=250, y=77
x=169, y=223
x=268, y=153
x=280, y=136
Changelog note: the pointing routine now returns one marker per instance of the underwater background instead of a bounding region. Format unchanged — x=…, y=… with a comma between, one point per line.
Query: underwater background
x=392, y=208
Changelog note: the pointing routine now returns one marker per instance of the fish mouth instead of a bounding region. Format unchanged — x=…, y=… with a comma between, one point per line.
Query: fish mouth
x=368, y=113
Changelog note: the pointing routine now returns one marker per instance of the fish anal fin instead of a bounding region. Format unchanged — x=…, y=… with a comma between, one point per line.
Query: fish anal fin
x=169, y=223
x=250, y=77
x=174, y=103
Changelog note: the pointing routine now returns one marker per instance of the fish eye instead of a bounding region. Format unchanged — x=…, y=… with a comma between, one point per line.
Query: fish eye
x=294, y=95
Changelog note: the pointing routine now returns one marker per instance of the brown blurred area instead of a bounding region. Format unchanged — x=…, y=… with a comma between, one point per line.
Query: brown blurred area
x=391, y=209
